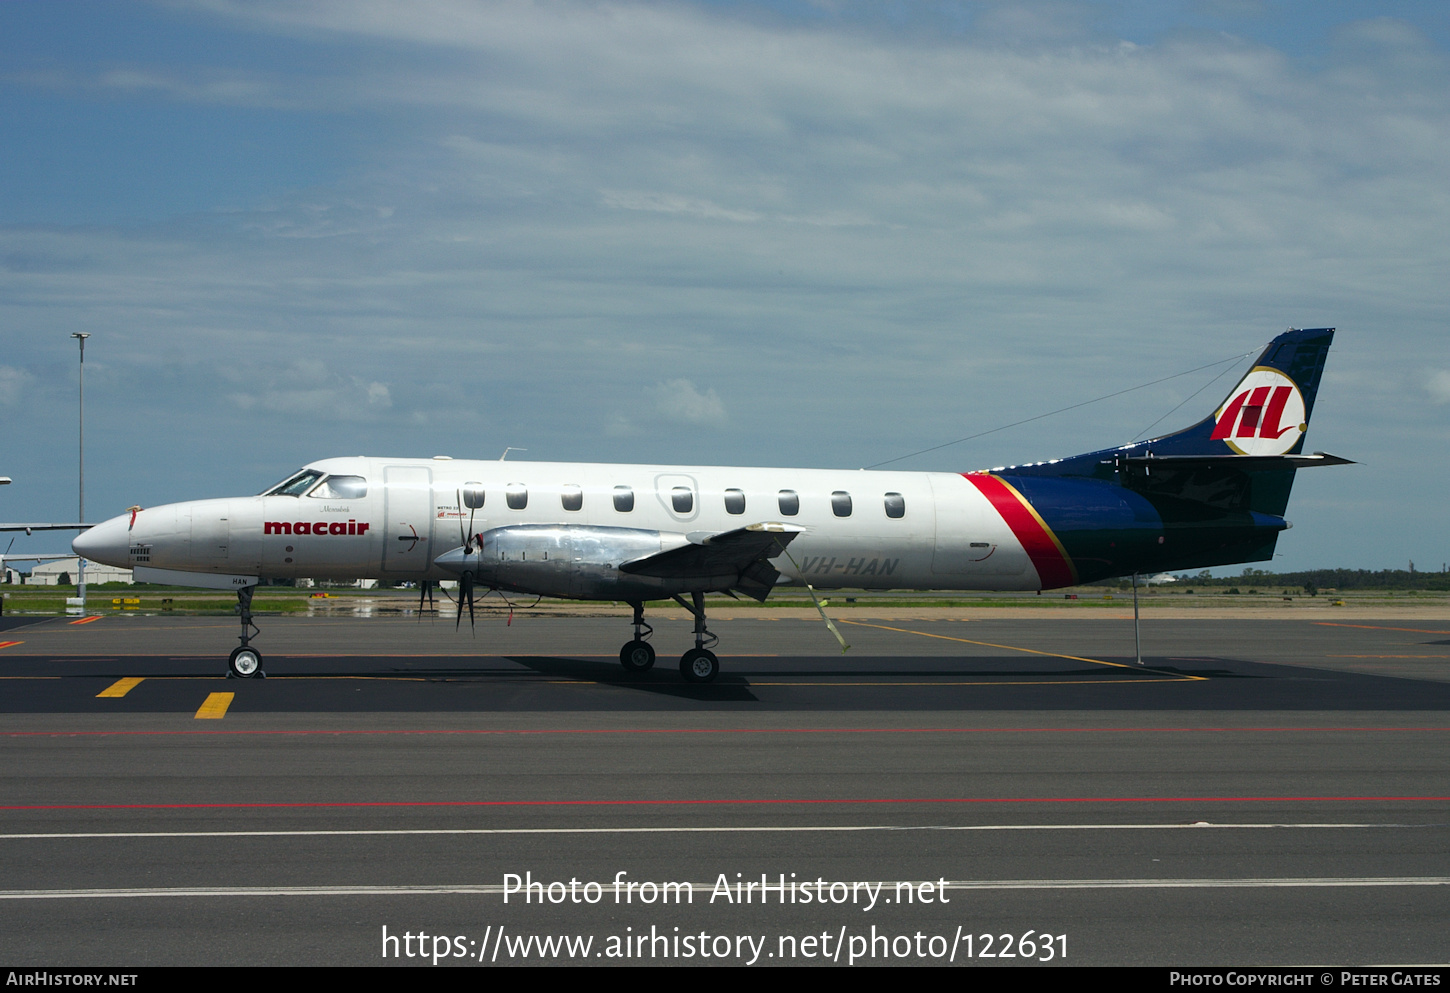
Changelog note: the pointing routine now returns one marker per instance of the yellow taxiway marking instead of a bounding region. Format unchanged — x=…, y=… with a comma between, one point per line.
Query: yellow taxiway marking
x=995, y=682
x=88, y=620
x=10, y=644
x=1376, y=627
x=1015, y=648
x=121, y=687
x=1440, y=657
x=215, y=705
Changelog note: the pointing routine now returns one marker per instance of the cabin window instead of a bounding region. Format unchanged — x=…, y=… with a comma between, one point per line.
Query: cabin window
x=572, y=497
x=517, y=496
x=841, y=503
x=473, y=495
x=623, y=499
x=341, y=488
x=734, y=501
x=895, y=505
x=682, y=498
x=790, y=503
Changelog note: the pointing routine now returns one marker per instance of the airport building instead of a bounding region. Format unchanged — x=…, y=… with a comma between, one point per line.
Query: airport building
x=49, y=573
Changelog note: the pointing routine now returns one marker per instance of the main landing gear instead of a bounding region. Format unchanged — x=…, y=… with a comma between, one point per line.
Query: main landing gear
x=698, y=665
x=246, y=662
x=639, y=654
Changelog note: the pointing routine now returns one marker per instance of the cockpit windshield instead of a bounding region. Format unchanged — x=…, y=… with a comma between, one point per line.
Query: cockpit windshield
x=295, y=485
x=341, y=488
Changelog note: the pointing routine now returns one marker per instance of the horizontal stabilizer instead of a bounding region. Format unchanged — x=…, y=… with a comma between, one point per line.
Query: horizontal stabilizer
x=744, y=552
x=1249, y=463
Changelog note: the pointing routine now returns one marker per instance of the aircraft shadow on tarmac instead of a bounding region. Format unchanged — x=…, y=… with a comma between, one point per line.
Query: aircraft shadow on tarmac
x=736, y=685
x=9, y=623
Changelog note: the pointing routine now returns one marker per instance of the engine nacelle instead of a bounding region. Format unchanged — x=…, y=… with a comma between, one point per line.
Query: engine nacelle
x=570, y=561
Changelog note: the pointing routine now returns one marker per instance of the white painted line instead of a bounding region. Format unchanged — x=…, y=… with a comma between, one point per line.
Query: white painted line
x=765, y=829
x=494, y=889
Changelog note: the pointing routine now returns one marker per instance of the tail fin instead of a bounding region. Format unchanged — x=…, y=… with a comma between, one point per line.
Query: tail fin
x=1211, y=494
x=1267, y=413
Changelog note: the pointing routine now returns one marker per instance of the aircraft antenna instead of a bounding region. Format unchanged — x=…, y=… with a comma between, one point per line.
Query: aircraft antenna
x=1150, y=427
x=1063, y=410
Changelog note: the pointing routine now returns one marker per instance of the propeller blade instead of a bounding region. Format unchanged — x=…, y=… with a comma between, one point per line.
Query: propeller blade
x=462, y=538
x=465, y=592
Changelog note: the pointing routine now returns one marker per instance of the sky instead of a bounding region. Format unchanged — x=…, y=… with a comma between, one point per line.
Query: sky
x=775, y=233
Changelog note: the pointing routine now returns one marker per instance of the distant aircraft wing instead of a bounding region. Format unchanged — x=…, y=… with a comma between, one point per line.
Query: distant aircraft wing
x=739, y=558
x=27, y=528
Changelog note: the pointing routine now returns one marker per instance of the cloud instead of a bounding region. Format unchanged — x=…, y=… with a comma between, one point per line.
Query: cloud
x=310, y=389
x=12, y=384
x=681, y=400
x=1437, y=385
x=874, y=240
x=668, y=203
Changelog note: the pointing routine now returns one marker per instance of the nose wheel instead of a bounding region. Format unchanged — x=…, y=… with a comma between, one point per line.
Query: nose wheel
x=245, y=662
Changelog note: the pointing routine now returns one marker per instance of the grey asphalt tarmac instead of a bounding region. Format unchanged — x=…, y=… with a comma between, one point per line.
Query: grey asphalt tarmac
x=1259, y=792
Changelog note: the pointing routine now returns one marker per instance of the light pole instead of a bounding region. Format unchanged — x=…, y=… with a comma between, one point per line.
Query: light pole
x=81, y=562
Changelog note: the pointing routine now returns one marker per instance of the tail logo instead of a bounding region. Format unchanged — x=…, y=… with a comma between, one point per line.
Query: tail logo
x=1263, y=416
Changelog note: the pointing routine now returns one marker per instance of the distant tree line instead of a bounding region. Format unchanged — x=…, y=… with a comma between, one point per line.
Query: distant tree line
x=1329, y=579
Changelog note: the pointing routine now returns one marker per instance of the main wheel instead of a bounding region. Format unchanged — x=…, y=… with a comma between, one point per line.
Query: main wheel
x=245, y=663
x=637, y=656
x=699, y=666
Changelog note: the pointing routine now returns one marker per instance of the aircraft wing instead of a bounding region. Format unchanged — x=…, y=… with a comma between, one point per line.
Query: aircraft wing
x=744, y=553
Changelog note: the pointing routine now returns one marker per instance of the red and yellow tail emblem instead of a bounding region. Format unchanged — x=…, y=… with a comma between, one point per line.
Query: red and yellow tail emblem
x=1263, y=416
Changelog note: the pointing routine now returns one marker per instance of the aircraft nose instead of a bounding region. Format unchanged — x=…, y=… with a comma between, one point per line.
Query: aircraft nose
x=107, y=542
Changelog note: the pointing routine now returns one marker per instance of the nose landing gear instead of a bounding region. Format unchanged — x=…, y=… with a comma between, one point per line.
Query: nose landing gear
x=246, y=662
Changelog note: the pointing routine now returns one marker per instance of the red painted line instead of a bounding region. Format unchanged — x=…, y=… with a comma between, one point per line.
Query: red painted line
x=715, y=803
x=536, y=731
x=1054, y=568
x=8, y=644
x=87, y=620
x=1372, y=627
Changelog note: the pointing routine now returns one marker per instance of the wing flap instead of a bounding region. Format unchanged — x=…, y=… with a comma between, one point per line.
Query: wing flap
x=743, y=554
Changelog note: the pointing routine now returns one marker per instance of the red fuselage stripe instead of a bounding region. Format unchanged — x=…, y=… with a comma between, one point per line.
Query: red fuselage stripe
x=1053, y=567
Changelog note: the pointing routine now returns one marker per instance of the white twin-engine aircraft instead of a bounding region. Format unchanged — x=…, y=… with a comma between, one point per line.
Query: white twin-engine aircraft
x=1212, y=494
